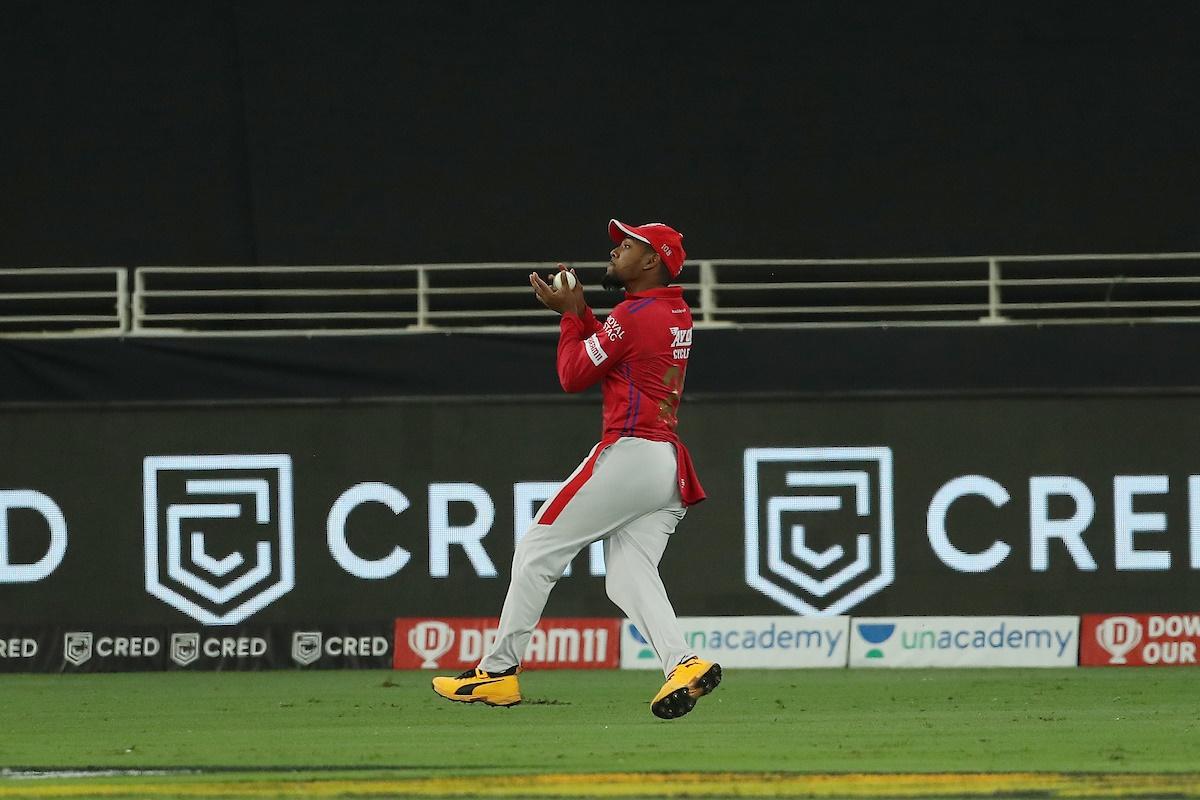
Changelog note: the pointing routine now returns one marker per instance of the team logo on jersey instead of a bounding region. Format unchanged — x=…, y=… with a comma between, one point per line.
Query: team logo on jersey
x=594, y=350
x=681, y=343
x=819, y=526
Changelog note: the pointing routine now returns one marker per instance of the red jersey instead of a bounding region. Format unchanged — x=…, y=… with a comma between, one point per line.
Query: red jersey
x=640, y=354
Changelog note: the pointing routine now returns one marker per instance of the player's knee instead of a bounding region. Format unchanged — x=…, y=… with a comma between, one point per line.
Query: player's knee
x=525, y=553
x=531, y=564
x=619, y=590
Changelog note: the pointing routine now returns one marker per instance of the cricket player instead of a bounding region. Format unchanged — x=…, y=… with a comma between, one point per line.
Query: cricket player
x=634, y=486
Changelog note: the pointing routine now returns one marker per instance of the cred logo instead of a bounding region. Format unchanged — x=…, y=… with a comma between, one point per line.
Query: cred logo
x=306, y=647
x=218, y=533
x=77, y=647
x=185, y=648
x=819, y=530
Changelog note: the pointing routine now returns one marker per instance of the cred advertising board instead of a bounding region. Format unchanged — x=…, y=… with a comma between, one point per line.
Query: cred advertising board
x=225, y=517
x=112, y=648
x=1138, y=640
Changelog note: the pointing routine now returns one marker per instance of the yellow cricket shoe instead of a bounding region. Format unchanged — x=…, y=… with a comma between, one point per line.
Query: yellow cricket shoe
x=687, y=683
x=475, y=685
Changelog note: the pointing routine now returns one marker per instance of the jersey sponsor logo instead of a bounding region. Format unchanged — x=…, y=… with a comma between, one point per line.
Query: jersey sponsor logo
x=613, y=329
x=459, y=643
x=594, y=350
x=681, y=342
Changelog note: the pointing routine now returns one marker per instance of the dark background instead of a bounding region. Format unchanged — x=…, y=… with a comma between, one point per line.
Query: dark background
x=412, y=445
x=237, y=132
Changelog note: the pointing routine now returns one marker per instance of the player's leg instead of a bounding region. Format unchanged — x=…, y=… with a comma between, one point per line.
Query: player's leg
x=539, y=561
x=625, y=481
x=632, y=556
x=608, y=490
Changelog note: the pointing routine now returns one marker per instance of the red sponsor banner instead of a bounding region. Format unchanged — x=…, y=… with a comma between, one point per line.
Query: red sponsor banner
x=1138, y=640
x=454, y=644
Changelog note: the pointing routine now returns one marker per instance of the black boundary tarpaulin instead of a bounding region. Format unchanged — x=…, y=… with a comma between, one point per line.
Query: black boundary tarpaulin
x=1010, y=505
x=994, y=360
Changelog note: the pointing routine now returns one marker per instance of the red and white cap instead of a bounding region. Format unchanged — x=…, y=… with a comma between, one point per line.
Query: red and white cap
x=665, y=240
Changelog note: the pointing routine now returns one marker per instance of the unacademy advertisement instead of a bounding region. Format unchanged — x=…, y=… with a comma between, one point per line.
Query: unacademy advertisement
x=750, y=642
x=964, y=641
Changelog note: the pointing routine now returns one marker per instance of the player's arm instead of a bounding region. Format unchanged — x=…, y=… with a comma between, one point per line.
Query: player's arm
x=582, y=358
x=587, y=350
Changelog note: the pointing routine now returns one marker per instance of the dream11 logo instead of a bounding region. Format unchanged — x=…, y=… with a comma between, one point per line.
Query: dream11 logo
x=1119, y=635
x=819, y=525
x=218, y=533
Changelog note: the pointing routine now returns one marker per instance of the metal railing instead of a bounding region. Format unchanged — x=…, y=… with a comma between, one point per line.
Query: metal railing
x=336, y=299
x=64, y=301
x=331, y=300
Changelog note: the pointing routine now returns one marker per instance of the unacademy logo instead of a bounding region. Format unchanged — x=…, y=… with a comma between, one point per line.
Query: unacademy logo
x=644, y=651
x=875, y=633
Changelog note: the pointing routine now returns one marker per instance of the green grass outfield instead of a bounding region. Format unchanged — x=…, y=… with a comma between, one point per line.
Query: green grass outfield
x=877, y=733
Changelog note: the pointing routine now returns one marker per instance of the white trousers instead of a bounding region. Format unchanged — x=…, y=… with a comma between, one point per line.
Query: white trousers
x=630, y=500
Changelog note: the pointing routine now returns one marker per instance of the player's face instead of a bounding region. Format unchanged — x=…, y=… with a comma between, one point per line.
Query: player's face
x=628, y=260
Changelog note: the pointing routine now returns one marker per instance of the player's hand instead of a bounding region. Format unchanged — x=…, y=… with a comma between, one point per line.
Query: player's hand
x=564, y=300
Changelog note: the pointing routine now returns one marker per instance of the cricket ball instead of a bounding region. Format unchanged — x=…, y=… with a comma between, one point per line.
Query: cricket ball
x=564, y=278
